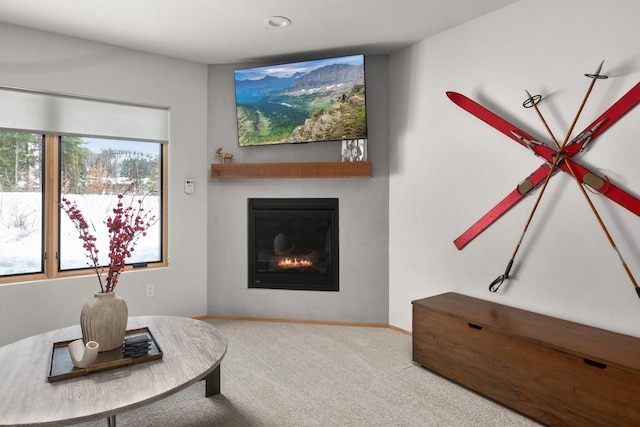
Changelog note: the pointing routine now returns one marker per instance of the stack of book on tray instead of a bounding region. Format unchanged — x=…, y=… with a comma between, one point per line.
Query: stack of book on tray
x=136, y=346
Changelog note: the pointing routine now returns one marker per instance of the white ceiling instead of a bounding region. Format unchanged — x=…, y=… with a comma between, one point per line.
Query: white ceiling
x=229, y=31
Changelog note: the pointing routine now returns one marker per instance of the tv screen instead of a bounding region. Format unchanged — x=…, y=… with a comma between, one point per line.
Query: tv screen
x=310, y=101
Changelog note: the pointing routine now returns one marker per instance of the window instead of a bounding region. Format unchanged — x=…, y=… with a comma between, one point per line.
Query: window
x=61, y=157
x=21, y=203
x=92, y=172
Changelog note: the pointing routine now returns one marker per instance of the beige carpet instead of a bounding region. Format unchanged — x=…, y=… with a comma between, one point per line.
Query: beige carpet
x=289, y=374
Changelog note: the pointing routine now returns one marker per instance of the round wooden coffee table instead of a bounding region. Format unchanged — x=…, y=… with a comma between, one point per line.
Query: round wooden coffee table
x=192, y=350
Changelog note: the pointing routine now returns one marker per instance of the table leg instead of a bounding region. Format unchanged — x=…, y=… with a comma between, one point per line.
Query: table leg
x=111, y=421
x=212, y=383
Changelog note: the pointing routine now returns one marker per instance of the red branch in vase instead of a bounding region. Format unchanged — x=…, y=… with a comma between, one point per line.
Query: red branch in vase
x=125, y=227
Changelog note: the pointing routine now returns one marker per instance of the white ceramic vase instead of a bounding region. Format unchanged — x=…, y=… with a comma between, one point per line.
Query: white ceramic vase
x=83, y=355
x=104, y=320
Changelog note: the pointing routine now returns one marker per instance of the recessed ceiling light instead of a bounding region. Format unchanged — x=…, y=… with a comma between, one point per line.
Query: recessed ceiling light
x=278, y=21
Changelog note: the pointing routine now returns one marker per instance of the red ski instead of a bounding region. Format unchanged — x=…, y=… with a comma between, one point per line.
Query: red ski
x=579, y=143
x=524, y=188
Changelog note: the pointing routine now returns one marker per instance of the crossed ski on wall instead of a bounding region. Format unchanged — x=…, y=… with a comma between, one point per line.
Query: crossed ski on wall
x=575, y=146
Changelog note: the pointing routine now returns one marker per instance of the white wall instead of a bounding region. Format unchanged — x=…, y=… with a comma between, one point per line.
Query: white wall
x=363, y=214
x=48, y=62
x=448, y=168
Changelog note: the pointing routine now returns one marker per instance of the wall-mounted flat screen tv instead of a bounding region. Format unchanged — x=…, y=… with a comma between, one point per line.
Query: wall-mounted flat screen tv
x=310, y=101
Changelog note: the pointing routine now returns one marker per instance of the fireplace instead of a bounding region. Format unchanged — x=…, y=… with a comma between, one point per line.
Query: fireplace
x=293, y=244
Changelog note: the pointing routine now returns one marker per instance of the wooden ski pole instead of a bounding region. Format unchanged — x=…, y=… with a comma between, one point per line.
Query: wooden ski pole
x=587, y=198
x=495, y=285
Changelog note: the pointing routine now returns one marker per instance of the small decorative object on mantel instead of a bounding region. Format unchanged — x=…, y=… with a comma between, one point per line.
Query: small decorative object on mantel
x=223, y=156
x=104, y=319
x=354, y=150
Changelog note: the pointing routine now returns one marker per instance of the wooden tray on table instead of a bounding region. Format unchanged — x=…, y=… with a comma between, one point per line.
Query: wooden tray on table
x=62, y=368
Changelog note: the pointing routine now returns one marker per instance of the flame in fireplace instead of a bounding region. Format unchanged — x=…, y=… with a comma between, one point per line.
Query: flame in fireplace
x=294, y=262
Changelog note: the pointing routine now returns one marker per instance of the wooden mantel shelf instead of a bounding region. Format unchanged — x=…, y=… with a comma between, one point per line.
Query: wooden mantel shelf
x=291, y=170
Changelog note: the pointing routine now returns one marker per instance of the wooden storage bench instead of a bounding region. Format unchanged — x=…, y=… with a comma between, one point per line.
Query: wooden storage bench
x=558, y=372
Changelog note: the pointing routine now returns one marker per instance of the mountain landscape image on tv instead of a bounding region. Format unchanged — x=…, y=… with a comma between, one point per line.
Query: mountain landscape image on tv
x=310, y=101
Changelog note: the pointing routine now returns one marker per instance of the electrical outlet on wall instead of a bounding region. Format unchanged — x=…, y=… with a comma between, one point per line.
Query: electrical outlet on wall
x=150, y=290
x=189, y=185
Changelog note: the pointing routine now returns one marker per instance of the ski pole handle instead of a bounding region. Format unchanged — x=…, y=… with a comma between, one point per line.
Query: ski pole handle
x=495, y=285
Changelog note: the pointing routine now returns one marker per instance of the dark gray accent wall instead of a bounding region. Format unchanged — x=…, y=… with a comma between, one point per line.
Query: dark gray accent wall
x=364, y=214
